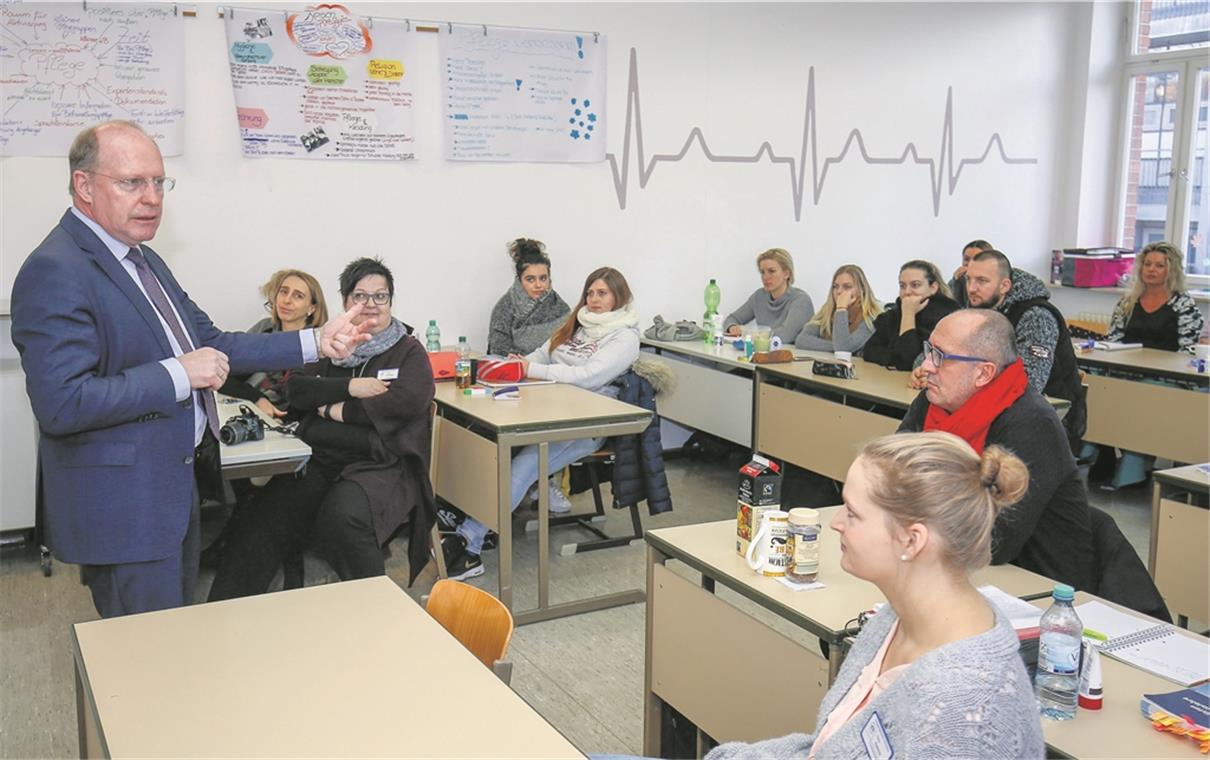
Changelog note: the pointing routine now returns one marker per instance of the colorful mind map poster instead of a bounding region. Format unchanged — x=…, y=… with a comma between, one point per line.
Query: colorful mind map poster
x=67, y=66
x=523, y=95
x=321, y=83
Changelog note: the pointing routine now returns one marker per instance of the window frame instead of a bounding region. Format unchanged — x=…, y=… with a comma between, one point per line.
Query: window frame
x=1188, y=64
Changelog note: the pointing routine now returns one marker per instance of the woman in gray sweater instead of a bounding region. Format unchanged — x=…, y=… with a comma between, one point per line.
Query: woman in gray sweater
x=531, y=310
x=778, y=304
x=846, y=320
x=936, y=672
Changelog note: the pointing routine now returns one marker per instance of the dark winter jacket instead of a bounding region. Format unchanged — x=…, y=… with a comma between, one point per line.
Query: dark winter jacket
x=1045, y=347
x=890, y=349
x=1049, y=530
x=638, y=469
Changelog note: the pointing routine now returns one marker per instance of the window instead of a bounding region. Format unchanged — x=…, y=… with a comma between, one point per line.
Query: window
x=1164, y=167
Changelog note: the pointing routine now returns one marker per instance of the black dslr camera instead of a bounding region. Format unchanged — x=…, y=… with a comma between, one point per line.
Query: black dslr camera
x=245, y=426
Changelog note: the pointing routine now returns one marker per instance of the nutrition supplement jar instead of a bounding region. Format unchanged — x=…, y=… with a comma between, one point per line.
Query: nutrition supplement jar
x=802, y=534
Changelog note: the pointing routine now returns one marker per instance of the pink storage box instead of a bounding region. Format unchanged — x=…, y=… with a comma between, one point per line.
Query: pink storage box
x=1096, y=270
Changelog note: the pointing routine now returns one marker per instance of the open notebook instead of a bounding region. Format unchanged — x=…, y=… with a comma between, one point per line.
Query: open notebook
x=1156, y=647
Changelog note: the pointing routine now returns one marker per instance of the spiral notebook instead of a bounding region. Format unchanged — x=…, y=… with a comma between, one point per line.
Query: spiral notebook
x=1157, y=648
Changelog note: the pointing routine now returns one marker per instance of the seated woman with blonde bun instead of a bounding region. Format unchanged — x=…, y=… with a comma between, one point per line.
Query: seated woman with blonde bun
x=935, y=673
x=777, y=304
x=846, y=320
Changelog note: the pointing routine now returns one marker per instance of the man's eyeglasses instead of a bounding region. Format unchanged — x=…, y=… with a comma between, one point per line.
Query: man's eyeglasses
x=135, y=185
x=938, y=357
x=380, y=299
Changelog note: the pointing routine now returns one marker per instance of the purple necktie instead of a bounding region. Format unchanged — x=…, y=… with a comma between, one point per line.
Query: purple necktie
x=160, y=302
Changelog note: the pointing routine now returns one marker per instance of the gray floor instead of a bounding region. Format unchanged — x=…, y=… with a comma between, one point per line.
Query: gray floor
x=584, y=674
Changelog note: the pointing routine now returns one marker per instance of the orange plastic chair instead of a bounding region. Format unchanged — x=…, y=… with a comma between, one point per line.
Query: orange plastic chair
x=477, y=619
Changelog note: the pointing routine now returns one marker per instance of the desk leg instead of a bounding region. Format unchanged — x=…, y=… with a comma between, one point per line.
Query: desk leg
x=91, y=743
x=505, y=526
x=835, y=658
x=1155, y=526
x=756, y=381
x=543, y=527
x=652, y=705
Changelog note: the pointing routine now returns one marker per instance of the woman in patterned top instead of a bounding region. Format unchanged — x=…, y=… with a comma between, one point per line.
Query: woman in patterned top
x=1158, y=313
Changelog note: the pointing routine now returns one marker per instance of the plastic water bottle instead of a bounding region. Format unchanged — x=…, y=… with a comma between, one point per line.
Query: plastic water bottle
x=462, y=365
x=432, y=337
x=1057, y=685
x=714, y=296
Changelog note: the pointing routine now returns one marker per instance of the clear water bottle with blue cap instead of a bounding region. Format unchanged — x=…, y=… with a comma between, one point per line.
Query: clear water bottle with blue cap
x=1057, y=684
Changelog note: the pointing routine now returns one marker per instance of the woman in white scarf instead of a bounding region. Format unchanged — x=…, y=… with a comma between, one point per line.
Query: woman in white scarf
x=597, y=344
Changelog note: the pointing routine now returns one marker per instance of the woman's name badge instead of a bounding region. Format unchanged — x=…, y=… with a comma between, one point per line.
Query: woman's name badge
x=877, y=743
x=388, y=374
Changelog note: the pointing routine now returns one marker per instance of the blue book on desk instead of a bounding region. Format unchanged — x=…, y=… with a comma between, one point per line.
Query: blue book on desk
x=1191, y=704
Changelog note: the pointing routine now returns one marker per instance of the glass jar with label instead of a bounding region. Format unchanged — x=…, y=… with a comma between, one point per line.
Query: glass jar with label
x=802, y=534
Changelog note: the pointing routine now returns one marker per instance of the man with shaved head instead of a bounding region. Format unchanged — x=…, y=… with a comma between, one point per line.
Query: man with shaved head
x=121, y=368
x=976, y=387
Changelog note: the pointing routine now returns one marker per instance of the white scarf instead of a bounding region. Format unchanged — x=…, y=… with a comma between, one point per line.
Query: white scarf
x=597, y=326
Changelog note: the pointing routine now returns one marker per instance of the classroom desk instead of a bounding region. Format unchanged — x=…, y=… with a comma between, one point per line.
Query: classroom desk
x=1158, y=419
x=274, y=454
x=1179, y=556
x=1118, y=729
x=713, y=388
x=821, y=423
x=707, y=659
x=354, y=669
x=475, y=439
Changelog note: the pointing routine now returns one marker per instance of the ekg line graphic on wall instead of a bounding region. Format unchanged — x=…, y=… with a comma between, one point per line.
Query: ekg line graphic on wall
x=943, y=171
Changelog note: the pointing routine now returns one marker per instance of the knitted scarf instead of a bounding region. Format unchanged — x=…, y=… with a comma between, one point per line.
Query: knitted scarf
x=532, y=320
x=974, y=418
x=374, y=346
x=597, y=326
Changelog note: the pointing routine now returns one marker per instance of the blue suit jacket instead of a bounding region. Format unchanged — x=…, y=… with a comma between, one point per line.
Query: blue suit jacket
x=116, y=451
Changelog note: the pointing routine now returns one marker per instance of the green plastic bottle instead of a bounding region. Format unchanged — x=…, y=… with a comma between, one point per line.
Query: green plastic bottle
x=714, y=297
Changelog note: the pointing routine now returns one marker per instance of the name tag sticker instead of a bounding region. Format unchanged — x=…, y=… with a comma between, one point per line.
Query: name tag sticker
x=388, y=374
x=877, y=743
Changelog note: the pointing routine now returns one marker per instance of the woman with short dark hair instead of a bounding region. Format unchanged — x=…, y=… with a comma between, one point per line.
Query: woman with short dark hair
x=367, y=419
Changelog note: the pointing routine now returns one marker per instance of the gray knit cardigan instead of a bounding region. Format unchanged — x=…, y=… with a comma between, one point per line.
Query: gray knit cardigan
x=520, y=325
x=968, y=699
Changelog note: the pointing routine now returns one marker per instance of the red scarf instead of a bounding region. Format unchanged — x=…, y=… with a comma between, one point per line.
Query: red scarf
x=974, y=418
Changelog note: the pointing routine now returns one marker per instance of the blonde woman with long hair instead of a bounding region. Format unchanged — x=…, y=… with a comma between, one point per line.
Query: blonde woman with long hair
x=846, y=320
x=1158, y=313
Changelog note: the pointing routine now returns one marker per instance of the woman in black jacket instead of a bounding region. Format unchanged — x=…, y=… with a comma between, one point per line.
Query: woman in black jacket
x=900, y=331
x=367, y=419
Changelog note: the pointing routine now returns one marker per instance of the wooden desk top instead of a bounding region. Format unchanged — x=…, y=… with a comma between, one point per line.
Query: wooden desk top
x=1118, y=729
x=541, y=406
x=725, y=355
x=354, y=669
x=273, y=447
x=1144, y=361
x=873, y=382
x=710, y=547
x=1190, y=476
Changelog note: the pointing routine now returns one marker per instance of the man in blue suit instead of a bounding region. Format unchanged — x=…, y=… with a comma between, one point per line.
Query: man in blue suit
x=120, y=368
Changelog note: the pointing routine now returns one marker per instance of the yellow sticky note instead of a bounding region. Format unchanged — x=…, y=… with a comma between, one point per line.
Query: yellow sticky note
x=382, y=68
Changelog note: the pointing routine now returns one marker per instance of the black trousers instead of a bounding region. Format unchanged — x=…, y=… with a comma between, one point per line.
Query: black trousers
x=286, y=516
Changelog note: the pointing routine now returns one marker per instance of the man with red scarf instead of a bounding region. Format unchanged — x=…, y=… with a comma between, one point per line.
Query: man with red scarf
x=976, y=388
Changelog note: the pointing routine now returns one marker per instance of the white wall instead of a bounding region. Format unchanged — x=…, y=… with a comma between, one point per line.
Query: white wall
x=738, y=71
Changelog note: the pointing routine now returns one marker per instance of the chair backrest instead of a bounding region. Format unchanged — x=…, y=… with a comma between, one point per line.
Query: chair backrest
x=476, y=618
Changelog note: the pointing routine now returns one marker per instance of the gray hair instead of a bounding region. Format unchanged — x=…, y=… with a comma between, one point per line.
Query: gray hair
x=85, y=149
x=992, y=338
